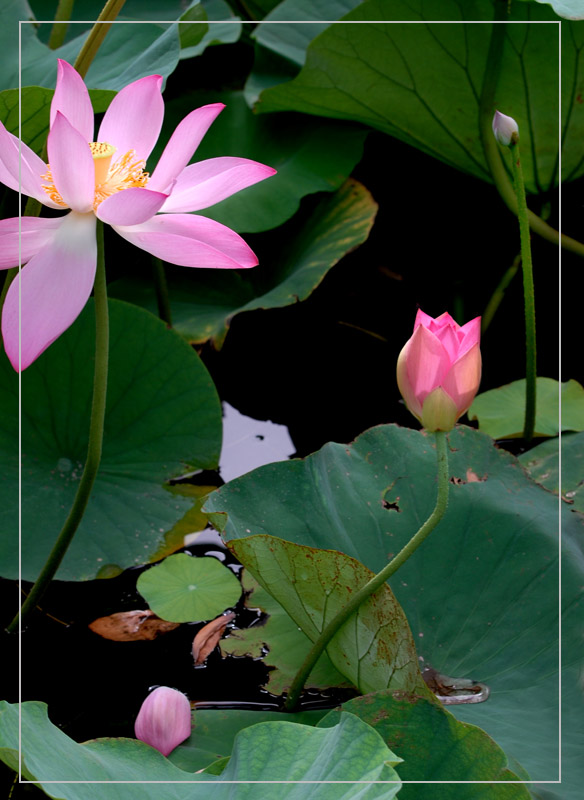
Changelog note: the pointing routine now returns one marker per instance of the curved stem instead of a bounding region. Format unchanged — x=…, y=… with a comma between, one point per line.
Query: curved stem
x=492, y=151
x=96, y=35
x=96, y=426
x=60, y=25
x=498, y=294
x=528, y=296
x=161, y=289
x=378, y=580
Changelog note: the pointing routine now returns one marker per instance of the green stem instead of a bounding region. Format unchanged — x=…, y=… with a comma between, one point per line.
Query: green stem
x=97, y=34
x=492, y=151
x=498, y=294
x=161, y=288
x=528, y=294
x=59, y=29
x=96, y=426
x=378, y=580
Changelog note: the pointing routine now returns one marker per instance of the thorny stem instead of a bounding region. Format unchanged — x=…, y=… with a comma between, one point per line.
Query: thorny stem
x=59, y=29
x=161, y=289
x=491, y=149
x=96, y=35
x=528, y=294
x=378, y=580
x=96, y=426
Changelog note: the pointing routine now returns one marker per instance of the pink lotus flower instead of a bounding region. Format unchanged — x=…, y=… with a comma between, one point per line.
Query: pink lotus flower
x=439, y=369
x=164, y=719
x=106, y=179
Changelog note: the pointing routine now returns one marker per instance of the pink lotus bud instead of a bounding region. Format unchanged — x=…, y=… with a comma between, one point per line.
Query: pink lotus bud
x=439, y=369
x=505, y=129
x=164, y=720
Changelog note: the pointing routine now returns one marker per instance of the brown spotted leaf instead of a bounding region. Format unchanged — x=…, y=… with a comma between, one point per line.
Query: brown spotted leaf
x=208, y=636
x=131, y=626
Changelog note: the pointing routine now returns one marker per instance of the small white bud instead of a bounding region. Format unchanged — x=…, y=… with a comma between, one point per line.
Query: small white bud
x=505, y=129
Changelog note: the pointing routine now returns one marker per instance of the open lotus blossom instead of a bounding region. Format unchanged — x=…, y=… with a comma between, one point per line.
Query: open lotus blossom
x=106, y=179
x=164, y=719
x=439, y=369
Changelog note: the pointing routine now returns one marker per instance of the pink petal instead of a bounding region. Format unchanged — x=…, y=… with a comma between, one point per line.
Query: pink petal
x=134, y=118
x=35, y=233
x=71, y=98
x=208, y=182
x=190, y=241
x=164, y=719
x=182, y=144
x=130, y=206
x=422, y=319
x=404, y=385
x=462, y=380
x=55, y=285
x=449, y=339
x=445, y=320
x=31, y=168
x=471, y=333
x=427, y=362
x=71, y=165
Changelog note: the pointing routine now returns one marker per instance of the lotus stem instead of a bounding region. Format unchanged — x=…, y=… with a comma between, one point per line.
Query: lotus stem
x=96, y=427
x=378, y=580
x=161, y=289
x=60, y=25
x=96, y=35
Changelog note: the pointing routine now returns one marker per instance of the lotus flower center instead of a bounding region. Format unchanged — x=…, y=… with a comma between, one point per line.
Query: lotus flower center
x=125, y=173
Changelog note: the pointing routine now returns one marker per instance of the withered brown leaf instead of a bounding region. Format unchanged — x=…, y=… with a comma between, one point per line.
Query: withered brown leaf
x=131, y=626
x=208, y=637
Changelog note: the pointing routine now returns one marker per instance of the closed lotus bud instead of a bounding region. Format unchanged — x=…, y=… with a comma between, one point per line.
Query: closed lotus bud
x=505, y=129
x=164, y=720
x=439, y=370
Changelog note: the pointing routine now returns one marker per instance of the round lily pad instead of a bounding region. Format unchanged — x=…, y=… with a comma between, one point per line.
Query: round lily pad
x=187, y=589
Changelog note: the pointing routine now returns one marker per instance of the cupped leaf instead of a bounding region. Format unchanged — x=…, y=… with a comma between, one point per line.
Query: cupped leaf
x=501, y=412
x=310, y=156
x=203, y=304
x=214, y=732
x=543, y=464
x=284, y=641
x=187, y=589
x=270, y=751
x=163, y=418
x=374, y=648
x=432, y=102
x=480, y=594
x=436, y=749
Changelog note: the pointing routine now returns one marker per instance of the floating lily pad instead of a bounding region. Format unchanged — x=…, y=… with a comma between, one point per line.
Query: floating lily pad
x=163, y=418
x=187, y=589
x=286, y=644
x=480, y=594
x=350, y=753
x=501, y=412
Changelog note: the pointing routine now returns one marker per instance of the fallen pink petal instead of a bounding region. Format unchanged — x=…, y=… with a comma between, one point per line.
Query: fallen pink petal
x=164, y=719
x=106, y=177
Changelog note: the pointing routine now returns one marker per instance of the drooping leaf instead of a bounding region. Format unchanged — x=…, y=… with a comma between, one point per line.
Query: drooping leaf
x=281, y=751
x=204, y=304
x=187, y=589
x=480, y=594
x=501, y=412
x=436, y=747
x=286, y=644
x=163, y=417
x=422, y=82
x=543, y=464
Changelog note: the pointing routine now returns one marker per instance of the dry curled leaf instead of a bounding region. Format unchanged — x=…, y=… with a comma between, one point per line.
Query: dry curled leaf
x=208, y=637
x=131, y=626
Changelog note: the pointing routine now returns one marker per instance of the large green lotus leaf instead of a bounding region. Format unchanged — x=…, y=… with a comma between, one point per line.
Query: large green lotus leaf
x=501, y=412
x=269, y=751
x=435, y=747
x=36, y=104
x=422, y=82
x=214, y=732
x=187, y=589
x=163, y=417
x=543, y=464
x=480, y=594
x=285, y=642
x=310, y=156
x=204, y=303
x=374, y=649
